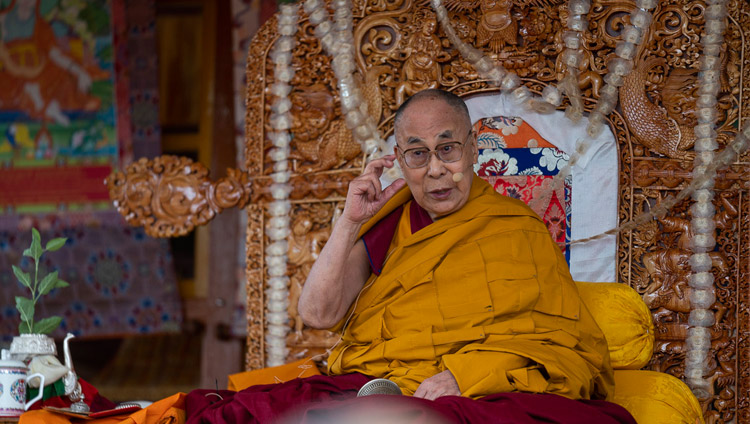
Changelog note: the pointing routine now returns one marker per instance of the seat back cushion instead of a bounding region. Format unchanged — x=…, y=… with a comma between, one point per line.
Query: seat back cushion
x=625, y=320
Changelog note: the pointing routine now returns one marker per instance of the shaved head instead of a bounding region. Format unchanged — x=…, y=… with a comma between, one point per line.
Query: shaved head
x=449, y=98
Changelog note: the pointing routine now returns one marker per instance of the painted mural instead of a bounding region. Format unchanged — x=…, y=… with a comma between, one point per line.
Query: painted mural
x=58, y=135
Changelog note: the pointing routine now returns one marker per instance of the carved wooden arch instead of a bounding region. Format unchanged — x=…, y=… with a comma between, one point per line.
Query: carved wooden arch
x=653, y=163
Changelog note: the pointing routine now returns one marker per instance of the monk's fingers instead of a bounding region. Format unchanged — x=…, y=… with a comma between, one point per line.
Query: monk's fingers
x=393, y=188
x=376, y=166
x=441, y=384
x=388, y=193
x=421, y=390
x=432, y=395
x=368, y=184
x=428, y=390
x=435, y=393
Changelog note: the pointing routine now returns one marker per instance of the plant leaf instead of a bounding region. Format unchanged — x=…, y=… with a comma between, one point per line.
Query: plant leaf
x=23, y=328
x=23, y=277
x=48, y=283
x=47, y=325
x=25, y=307
x=55, y=244
x=35, y=250
x=61, y=283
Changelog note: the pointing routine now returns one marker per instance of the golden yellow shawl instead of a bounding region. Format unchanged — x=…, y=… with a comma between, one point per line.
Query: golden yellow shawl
x=484, y=293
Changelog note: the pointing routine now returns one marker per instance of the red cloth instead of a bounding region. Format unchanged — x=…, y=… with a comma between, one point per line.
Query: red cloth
x=332, y=399
x=418, y=217
x=378, y=239
x=92, y=398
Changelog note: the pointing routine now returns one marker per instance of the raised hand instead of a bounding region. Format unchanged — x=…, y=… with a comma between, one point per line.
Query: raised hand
x=366, y=196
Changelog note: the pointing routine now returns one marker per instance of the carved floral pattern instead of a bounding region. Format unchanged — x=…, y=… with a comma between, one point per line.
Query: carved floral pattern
x=169, y=196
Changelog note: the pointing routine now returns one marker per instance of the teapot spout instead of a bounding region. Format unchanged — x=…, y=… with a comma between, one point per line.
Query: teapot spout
x=70, y=379
x=66, y=351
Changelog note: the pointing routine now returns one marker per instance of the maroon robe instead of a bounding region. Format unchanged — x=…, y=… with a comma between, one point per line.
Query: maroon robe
x=332, y=399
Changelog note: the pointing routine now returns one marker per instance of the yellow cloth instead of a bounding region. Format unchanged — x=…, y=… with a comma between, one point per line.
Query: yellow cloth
x=625, y=320
x=656, y=398
x=169, y=410
x=483, y=292
x=300, y=369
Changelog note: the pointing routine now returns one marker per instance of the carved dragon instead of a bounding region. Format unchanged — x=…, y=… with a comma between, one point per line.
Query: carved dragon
x=652, y=124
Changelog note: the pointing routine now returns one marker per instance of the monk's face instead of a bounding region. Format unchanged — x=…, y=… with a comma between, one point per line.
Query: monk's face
x=428, y=123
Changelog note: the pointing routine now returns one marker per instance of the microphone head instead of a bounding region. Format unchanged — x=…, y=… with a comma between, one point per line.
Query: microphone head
x=379, y=386
x=458, y=176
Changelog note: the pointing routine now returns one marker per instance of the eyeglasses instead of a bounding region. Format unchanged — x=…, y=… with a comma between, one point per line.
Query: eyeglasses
x=446, y=152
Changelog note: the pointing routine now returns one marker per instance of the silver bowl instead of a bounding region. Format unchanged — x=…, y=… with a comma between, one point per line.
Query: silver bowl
x=379, y=386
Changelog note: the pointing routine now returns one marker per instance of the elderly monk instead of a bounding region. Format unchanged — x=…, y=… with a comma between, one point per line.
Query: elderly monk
x=469, y=295
x=443, y=286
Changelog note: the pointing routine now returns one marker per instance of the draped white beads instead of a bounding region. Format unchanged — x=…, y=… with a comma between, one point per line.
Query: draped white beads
x=277, y=227
x=338, y=41
x=702, y=295
x=508, y=81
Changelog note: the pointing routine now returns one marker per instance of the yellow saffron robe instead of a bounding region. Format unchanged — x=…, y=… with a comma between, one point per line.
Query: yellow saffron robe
x=483, y=292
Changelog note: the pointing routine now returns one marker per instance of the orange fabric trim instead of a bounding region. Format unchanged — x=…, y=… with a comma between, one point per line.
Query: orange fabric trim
x=283, y=373
x=171, y=409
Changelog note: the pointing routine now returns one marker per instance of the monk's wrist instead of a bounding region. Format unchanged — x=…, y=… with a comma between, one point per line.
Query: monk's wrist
x=347, y=228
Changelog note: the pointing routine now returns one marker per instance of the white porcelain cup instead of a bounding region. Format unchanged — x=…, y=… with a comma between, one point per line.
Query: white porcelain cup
x=13, y=378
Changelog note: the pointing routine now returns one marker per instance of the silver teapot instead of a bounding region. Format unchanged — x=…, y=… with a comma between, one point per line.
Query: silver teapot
x=39, y=352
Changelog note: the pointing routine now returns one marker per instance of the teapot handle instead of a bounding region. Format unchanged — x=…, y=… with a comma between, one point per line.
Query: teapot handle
x=41, y=389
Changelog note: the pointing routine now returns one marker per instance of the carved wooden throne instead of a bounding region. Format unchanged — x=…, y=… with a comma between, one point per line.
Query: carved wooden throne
x=170, y=196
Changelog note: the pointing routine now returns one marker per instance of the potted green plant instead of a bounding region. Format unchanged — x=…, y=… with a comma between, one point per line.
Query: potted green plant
x=33, y=339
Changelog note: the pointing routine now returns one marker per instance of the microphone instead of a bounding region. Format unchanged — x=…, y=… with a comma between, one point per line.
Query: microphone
x=458, y=176
x=379, y=386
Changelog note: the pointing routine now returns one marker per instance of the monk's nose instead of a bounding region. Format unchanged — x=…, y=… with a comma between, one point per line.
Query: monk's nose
x=435, y=166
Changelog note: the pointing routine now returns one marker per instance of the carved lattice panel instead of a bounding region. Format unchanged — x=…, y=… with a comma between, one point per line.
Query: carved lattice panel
x=400, y=49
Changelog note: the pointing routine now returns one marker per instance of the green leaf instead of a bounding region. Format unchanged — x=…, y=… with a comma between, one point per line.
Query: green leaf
x=61, y=284
x=25, y=307
x=55, y=244
x=35, y=250
x=23, y=328
x=23, y=277
x=47, y=325
x=48, y=283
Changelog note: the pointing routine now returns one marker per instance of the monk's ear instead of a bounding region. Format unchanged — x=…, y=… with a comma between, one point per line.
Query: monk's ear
x=395, y=152
x=474, y=145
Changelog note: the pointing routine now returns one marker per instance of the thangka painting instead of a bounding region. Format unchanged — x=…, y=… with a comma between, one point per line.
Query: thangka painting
x=519, y=163
x=58, y=132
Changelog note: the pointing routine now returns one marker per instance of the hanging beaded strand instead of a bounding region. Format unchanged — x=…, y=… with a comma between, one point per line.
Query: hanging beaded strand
x=338, y=41
x=572, y=56
x=487, y=68
x=702, y=295
x=618, y=68
x=277, y=227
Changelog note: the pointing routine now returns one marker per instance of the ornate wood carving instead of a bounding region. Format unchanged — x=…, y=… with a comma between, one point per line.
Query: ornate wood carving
x=400, y=50
x=311, y=227
x=254, y=287
x=169, y=196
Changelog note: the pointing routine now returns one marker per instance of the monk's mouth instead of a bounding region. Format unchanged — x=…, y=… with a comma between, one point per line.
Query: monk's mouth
x=441, y=194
